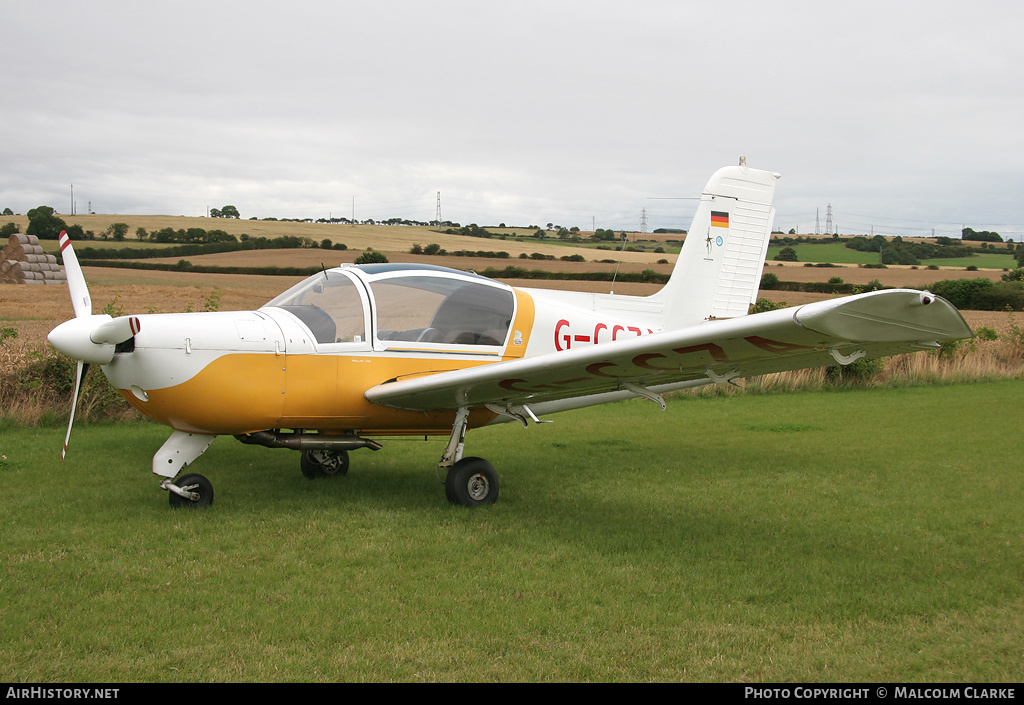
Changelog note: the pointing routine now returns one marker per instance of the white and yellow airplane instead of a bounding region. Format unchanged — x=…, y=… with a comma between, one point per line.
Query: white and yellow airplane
x=361, y=352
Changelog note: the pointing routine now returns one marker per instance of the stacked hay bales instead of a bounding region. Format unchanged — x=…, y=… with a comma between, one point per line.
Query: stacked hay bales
x=24, y=262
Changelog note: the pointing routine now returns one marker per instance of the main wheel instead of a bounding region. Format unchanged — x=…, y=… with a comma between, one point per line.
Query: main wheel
x=471, y=482
x=196, y=484
x=324, y=463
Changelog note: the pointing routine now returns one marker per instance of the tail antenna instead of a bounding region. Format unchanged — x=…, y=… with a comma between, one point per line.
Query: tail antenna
x=621, y=250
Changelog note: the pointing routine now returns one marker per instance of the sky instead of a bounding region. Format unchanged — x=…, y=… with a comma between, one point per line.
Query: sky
x=906, y=117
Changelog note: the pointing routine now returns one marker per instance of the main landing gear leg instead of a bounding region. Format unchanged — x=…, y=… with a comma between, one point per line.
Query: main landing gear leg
x=470, y=482
x=179, y=450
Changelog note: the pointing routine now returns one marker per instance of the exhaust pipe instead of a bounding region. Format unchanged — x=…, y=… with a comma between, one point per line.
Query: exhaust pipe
x=306, y=441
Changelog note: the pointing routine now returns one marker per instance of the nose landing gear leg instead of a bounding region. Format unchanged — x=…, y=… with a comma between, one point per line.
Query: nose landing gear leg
x=179, y=450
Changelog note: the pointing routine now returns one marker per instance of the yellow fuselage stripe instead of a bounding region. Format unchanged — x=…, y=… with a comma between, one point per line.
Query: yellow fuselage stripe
x=244, y=392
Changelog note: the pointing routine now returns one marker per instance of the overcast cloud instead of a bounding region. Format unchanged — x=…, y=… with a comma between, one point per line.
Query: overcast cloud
x=905, y=116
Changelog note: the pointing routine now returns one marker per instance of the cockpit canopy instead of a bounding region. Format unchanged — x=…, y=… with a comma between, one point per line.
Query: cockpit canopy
x=418, y=304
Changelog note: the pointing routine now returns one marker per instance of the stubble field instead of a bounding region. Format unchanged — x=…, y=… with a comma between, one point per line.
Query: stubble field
x=34, y=311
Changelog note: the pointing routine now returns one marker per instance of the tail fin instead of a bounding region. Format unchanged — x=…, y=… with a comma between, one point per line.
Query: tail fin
x=719, y=268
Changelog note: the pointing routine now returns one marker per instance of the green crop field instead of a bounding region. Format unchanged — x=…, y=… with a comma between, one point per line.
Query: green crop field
x=983, y=260
x=862, y=536
x=838, y=253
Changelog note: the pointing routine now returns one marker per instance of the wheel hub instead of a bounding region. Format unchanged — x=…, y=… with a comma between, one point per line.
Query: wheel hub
x=478, y=487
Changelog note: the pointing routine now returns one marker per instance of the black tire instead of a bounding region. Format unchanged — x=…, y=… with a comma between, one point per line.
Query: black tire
x=323, y=463
x=192, y=483
x=471, y=482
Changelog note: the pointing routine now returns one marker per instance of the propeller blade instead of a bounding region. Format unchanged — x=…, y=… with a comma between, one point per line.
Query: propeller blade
x=80, y=371
x=80, y=299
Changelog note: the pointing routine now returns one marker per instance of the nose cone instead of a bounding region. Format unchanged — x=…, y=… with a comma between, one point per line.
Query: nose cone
x=73, y=339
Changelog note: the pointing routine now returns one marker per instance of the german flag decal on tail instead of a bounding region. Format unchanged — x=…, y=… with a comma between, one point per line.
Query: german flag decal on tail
x=719, y=219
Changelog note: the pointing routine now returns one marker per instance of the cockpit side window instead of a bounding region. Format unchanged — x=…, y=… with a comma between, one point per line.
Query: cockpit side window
x=475, y=314
x=442, y=310
x=329, y=305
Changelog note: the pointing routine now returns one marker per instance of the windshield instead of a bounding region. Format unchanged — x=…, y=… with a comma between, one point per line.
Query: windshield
x=329, y=305
x=435, y=309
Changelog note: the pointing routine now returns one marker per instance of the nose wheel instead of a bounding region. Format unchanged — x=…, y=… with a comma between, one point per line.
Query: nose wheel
x=190, y=490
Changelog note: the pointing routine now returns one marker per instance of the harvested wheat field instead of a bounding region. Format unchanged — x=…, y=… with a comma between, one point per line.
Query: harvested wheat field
x=386, y=238
x=893, y=275
x=313, y=257
x=34, y=311
x=27, y=314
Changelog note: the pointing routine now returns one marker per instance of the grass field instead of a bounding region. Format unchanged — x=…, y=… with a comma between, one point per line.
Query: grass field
x=838, y=253
x=983, y=260
x=856, y=536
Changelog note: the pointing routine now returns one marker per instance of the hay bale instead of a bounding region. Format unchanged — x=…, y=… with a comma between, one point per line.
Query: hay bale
x=24, y=261
x=22, y=251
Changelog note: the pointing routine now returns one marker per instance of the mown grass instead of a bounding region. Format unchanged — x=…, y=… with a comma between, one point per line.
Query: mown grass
x=868, y=535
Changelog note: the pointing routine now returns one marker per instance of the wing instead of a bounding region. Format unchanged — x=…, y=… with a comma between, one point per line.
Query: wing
x=840, y=330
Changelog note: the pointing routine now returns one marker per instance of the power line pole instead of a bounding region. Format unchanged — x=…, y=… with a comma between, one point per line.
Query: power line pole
x=643, y=220
x=438, y=217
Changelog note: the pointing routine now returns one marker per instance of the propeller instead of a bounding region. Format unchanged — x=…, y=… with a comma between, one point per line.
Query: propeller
x=89, y=339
